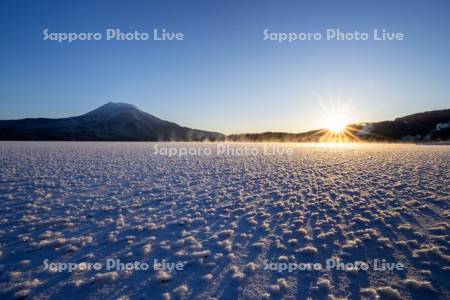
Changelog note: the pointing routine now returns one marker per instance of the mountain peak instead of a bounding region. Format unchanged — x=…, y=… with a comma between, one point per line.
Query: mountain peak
x=111, y=108
x=117, y=105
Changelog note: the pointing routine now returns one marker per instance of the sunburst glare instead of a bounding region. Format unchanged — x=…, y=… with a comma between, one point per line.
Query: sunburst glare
x=336, y=122
x=337, y=117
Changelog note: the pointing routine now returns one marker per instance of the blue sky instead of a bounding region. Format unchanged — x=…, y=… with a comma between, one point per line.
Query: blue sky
x=224, y=76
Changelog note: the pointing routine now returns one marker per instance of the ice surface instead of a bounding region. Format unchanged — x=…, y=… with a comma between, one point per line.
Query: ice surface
x=222, y=217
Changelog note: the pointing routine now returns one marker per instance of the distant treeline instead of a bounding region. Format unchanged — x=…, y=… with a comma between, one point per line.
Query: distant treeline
x=420, y=127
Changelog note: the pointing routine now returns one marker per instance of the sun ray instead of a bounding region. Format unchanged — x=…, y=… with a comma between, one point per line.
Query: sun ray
x=337, y=117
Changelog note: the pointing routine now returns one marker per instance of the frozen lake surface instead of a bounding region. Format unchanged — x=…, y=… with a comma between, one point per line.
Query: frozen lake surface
x=234, y=225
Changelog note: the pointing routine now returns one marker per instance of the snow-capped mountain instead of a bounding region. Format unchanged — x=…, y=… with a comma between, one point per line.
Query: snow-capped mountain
x=110, y=122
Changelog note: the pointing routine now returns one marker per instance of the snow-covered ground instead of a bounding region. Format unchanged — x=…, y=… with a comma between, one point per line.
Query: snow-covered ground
x=231, y=224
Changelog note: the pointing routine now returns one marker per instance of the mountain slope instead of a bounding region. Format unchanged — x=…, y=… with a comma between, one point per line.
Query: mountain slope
x=110, y=122
x=430, y=125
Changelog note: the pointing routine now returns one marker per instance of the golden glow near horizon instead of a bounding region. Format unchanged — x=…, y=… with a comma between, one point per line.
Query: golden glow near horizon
x=337, y=118
x=336, y=122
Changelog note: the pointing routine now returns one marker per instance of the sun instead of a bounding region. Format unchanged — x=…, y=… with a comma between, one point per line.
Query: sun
x=336, y=122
